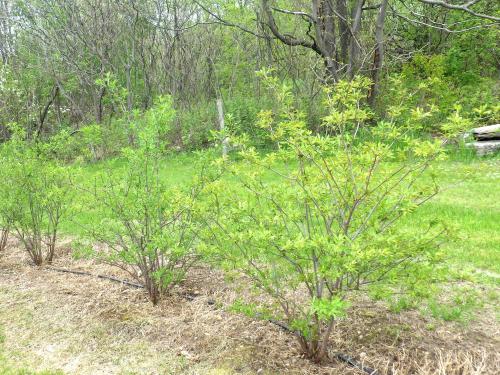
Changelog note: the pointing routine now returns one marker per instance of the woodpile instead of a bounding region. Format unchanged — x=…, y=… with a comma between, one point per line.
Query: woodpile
x=486, y=139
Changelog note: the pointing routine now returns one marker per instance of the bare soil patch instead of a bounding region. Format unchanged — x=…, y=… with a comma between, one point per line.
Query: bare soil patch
x=85, y=325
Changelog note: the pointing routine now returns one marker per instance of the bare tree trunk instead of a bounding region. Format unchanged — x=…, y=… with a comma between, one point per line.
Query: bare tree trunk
x=6, y=33
x=324, y=41
x=324, y=15
x=354, y=44
x=45, y=111
x=128, y=68
x=344, y=32
x=378, y=55
x=99, y=105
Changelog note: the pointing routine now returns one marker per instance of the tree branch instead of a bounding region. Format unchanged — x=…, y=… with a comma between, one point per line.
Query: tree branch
x=45, y=111
x=463, y=8
x=222, y=21
x=287, y=38
x=437, y=26
x=295, y=13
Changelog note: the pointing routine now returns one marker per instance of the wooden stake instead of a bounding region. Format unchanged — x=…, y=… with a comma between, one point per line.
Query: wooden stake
x=220, y=110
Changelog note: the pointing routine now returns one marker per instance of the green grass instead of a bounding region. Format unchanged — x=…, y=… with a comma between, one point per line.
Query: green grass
x=460, y=308
x=469, y=202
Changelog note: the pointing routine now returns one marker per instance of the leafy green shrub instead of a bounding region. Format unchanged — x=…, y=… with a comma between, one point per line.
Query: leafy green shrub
x=472, y=55
x=91, y=138
x=36, y=197
x=200, y=121
x=315, y=221
x=94, y=142
x=425, y=85
x=90, y=143
x=146, y=228
x=242, y=114
x=196, y=124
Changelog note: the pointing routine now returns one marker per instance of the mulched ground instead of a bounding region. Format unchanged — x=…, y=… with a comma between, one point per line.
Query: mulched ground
x=85, y=325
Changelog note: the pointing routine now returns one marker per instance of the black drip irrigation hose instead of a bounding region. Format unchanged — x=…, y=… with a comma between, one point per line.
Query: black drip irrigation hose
x=340, y=356
x=352, y=362
x=124, y=282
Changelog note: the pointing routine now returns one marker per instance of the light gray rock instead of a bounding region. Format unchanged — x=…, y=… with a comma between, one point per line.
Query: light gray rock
x=487, y=132
x=485, y=147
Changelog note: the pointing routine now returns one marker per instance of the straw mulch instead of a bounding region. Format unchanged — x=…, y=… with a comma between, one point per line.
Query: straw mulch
x=85, y=325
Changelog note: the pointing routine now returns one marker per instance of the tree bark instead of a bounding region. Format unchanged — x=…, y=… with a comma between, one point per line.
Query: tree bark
x=344, y=32
x=378, y=55
x=99, y=105
x=45, y=111
x=354, y=43
x=322, y=43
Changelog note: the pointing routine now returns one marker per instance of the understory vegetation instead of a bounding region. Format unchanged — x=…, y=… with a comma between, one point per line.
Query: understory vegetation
x=318, y=153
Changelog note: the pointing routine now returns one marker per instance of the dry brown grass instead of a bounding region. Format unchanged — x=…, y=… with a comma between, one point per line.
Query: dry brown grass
x=85, y=325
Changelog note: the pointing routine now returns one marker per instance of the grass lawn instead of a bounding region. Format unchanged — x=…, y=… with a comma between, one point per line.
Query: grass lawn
x=470, y=202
